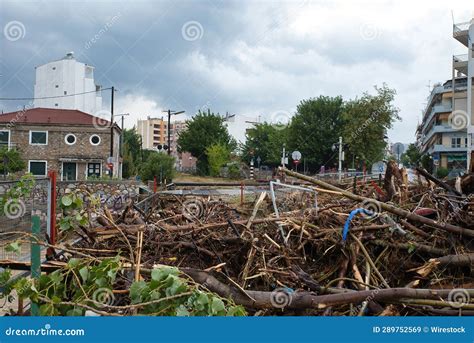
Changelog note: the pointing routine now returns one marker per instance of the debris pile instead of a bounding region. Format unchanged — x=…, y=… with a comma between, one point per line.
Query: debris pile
x=394, y=249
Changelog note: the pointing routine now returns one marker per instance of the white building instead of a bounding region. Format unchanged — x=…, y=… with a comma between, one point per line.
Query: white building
x=65, y=77
x=464, y=64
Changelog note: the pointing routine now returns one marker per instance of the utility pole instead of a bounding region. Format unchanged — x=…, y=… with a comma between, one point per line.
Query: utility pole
x=283, y=157
x=170, y=112
x=112, y=126
x=340, y=158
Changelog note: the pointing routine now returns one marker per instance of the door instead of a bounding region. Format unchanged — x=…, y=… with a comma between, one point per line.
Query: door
x=69, y=171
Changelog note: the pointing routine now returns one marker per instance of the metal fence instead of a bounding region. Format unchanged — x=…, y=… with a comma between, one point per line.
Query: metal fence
x=16, y=216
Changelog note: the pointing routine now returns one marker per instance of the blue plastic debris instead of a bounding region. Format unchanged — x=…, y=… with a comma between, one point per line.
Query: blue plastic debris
x=348, y=221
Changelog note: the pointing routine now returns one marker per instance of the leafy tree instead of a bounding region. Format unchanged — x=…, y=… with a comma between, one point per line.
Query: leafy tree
x=132, y=152
x=265, y=141
x=203, y=131
x=314, y=128
x=366, y=122
x=14, y=162
x=411, y=157
x=217, y=156
x=157, y=164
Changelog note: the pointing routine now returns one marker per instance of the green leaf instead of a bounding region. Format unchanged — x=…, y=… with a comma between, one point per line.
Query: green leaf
x=182, y=311
x=66, y=200
x=64, y=224
x=75, y=312
x=84, y=272
x=136, y=290
x=14, y=247
x=47, y=310
x=73, y=262
x=217, y=306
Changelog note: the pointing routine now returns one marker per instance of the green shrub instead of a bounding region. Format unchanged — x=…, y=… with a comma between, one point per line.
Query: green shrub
x=442, y=172
x=158, y=164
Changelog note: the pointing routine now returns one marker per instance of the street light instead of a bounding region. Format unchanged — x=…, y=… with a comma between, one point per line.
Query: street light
x=112, y=135
x=170, y=112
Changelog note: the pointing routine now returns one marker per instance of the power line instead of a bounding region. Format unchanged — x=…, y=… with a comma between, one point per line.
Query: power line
x=58, y=96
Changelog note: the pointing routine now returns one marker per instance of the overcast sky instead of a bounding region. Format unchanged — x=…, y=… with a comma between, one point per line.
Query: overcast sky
x=256, y=59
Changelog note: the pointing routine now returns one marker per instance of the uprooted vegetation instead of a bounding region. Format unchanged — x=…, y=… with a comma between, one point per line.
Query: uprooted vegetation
x=405, y=250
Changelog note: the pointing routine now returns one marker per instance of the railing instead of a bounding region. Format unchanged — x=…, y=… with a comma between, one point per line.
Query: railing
x=460, y=27
x=17, y=213
x=461, y=58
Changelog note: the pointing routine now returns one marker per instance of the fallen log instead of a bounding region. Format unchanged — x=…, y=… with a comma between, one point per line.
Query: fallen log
x=440, y=183
x=304, y=299
x=389, y=208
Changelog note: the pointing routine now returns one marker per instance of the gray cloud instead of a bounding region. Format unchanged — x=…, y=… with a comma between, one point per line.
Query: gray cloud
x=252, y=58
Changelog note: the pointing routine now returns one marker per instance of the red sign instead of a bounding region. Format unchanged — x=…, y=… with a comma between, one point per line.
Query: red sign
x=296, y=162
x=110, y=166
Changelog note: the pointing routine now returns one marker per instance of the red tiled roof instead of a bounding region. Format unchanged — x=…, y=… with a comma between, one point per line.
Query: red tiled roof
x=52, y=116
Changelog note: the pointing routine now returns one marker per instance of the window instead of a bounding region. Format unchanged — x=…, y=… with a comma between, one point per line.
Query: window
x=37, y=168
x=56, y=105
x=39, y=137
x=57, y=86
x=95, y=140
x=93, y=169
x=70, y=139
x=455, y=142
x=4, y=139
x=54, y=68
x=65, y=92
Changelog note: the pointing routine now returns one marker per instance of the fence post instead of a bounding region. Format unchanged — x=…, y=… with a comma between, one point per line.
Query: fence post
x=52, y=210
x=241, y=193
x=35, y=257
x=154, y=184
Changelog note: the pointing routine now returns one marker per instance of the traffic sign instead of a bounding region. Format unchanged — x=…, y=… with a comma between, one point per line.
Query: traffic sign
x=110, y=166
x=296, y=155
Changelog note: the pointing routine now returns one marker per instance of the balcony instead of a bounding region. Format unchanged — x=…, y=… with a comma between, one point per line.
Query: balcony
x=461, y=32
x=438, y=129
x=460, y=63
x=443, y=148
x=435, y=110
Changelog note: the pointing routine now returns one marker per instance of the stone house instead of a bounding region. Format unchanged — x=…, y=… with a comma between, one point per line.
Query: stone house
x=75, y=144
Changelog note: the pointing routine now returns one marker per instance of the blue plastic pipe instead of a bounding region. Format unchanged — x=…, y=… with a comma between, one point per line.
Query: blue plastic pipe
x=348, y=221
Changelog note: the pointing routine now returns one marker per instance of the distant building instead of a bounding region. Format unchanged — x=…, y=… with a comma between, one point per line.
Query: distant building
x=67, y=141
x=154, y=133
x=446, y=130
x=65, y=77
x=464, y=65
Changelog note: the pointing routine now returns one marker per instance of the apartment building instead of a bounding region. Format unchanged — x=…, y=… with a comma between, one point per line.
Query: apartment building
x=154, y=133
x=445, y=132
